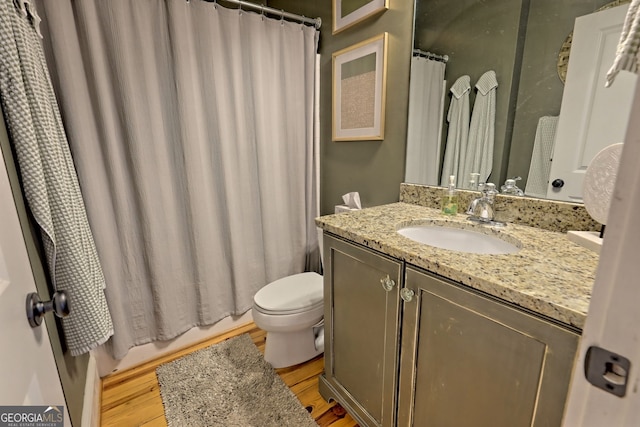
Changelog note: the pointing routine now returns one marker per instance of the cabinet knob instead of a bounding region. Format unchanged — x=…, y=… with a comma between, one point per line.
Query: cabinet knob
x=387, y=283
x=407, y=294
x=557, y=183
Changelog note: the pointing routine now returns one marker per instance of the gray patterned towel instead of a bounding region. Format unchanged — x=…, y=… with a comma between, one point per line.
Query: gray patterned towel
x=628, y=48
x=49, y=179
x=538, y=178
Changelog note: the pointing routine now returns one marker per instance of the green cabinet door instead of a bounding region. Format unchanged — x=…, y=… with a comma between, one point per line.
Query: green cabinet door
x=361, y=291
x=470, y=360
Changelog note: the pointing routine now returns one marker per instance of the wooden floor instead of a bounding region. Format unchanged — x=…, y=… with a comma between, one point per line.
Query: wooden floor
x=132, y=397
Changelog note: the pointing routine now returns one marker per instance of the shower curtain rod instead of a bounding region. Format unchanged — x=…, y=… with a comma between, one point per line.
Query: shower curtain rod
x=316, y=22
x=429, y=55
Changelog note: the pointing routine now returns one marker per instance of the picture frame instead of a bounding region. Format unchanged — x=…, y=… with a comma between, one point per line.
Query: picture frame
x=347, y=13
x=359, y=90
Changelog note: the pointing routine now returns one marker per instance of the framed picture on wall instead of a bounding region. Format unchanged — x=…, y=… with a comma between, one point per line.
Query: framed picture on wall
x=349, y=12
x=359, y=90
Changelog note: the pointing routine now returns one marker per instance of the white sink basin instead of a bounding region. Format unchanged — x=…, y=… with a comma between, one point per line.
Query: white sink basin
x=457, y=239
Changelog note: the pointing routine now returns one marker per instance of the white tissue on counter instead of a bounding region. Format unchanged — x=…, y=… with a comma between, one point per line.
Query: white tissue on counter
x=351, y=203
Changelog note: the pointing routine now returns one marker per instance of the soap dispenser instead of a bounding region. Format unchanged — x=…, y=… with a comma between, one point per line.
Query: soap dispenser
x=474, y=181
x=510, y=187
x=450, y=198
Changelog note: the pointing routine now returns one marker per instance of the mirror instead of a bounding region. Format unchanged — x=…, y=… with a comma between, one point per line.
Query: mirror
x=525, y=43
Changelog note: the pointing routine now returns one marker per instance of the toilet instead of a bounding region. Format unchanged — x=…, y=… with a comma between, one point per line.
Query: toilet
x=291, y=310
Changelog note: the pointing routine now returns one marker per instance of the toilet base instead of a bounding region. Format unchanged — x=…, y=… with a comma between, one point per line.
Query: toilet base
x=285, y=349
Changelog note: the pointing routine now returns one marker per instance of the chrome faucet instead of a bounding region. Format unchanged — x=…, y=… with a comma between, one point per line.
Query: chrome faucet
x=481, y=208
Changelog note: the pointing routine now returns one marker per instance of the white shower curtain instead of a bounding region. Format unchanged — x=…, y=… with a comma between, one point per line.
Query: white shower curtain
x=426, y=97
x=191, y=126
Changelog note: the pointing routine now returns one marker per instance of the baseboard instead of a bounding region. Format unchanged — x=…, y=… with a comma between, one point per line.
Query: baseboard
x=92, y=395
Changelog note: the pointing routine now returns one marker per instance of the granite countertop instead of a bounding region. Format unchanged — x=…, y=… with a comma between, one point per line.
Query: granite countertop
x=549, y=275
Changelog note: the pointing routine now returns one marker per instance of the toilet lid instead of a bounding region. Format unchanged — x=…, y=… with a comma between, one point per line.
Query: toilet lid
x=291, y=293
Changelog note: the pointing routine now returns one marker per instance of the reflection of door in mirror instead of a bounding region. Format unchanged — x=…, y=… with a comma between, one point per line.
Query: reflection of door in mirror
x=592, y=116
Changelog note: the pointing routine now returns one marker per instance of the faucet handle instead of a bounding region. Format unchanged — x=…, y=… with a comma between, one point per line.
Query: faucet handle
x=511, y=188
x=490, y=194
x=490, y=189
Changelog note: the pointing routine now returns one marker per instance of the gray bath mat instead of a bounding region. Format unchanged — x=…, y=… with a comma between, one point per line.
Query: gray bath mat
x=228, y=384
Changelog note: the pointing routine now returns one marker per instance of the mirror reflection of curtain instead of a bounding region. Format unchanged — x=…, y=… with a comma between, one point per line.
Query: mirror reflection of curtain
x=192, y=130
x=426, y=104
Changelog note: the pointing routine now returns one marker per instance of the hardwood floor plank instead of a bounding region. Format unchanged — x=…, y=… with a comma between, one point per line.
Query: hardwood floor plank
x=156, y=422
x=307, y=393
x=135, y=411
x=292, y=376
x=114, y=396
x=132, y=397
x=258, y=336
x=345, y=422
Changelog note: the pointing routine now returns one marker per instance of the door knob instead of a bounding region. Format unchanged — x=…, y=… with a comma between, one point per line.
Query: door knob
x=387, y=283
x=557, y=183
x=407, y=294
x=36, y=308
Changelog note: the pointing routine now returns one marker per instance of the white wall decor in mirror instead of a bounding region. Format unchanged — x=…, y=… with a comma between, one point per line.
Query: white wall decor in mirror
x=349, y=12
x=359, y=90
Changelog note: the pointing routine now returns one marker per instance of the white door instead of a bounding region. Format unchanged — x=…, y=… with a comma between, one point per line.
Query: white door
x=28, y=373
x=592, y=117
x=613, y=322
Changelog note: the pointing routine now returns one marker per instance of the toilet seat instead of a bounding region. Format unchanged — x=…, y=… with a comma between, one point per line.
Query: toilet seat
x=290, y=295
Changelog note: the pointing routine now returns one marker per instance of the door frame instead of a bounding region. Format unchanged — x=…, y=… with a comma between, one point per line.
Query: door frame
x=613, y=321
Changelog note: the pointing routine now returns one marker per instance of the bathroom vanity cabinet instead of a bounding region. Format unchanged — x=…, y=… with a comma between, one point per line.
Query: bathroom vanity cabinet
x=430, y=352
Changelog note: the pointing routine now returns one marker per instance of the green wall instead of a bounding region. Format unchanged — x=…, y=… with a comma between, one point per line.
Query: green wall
x=373, y=168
